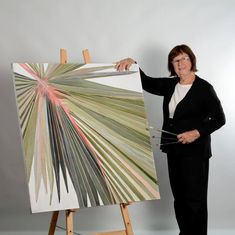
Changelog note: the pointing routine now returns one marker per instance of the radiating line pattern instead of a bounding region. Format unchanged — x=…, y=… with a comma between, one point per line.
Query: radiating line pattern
x=91, y=134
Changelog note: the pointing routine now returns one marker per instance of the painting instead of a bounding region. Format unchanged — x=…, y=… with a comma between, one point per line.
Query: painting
x=84, y=135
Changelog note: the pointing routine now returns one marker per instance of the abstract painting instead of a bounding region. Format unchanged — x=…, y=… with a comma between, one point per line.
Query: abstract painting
x=84, y=136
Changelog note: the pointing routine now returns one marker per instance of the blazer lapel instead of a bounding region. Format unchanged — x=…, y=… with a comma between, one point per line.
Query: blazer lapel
x=186, y=100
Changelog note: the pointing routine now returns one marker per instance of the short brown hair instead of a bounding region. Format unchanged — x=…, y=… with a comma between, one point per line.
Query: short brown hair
x=179, y=50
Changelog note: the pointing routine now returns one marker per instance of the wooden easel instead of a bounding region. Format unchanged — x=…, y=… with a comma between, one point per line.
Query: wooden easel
x=69, y=213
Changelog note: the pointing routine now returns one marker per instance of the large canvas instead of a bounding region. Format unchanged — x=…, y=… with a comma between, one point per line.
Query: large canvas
x=84, y=135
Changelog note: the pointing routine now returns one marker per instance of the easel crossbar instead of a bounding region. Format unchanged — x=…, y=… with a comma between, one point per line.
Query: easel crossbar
x=121, y=232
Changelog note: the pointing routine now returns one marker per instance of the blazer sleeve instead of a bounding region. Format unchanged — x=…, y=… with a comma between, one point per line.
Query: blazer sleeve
x=156, y=86
x=215, y=117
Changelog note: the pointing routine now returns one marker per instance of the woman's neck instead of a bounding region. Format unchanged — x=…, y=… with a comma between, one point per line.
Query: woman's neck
x=187, y=79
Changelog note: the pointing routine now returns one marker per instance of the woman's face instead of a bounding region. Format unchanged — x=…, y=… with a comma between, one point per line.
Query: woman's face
x=182, y=64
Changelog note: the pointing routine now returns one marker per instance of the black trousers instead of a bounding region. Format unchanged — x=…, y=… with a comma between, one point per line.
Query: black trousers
x=189, y=182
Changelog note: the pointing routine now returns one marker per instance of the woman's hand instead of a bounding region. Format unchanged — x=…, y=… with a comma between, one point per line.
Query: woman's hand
x=124, y=64
x=188, y=136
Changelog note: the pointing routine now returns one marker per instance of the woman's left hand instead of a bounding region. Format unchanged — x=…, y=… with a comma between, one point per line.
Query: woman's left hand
x=188, y=136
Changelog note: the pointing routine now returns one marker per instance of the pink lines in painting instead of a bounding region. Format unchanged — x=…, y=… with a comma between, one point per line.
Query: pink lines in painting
x=82, y=137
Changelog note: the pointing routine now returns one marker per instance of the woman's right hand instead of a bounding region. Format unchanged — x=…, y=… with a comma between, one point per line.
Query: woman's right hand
x=124, y=64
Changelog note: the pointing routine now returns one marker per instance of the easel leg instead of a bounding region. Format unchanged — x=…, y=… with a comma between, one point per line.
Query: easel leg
x=54, y=219
x=86, y=56
x=69, y=222
x=126, y=219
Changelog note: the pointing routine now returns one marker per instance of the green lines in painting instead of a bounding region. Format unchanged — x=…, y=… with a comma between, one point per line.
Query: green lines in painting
x=93, y=134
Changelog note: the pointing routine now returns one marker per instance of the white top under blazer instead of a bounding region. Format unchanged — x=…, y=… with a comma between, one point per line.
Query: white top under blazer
x=180, y=92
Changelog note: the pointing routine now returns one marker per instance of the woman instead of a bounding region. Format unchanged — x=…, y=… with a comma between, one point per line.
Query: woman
x=192, y=111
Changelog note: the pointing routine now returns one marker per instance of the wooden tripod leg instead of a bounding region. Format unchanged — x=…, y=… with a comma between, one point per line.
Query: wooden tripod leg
x=126, y=219
x=69, y=222
x=54, y=219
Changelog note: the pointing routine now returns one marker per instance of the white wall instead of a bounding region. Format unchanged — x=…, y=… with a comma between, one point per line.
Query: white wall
x=33, y=31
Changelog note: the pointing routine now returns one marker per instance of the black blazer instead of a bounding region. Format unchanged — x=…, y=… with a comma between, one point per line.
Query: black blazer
x=200, y=109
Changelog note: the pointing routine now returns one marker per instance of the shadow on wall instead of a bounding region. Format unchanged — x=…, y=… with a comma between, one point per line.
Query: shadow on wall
x=154, y=59
x=154, y=63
